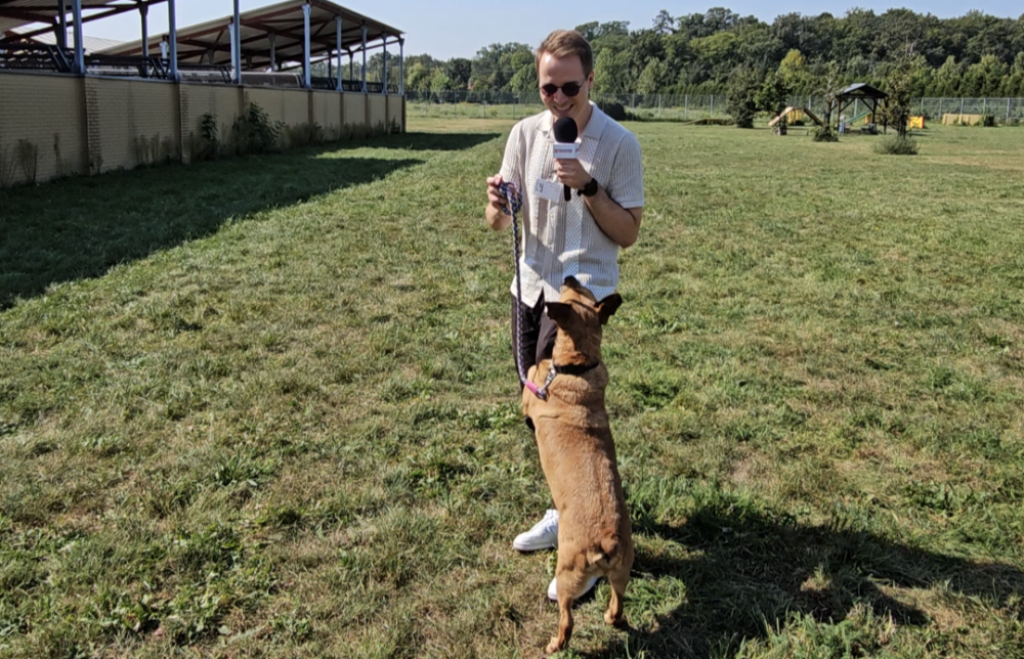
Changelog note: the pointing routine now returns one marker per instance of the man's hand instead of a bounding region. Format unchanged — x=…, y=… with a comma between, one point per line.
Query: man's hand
x=494, y=195
x=572, y=173
x=496, y=202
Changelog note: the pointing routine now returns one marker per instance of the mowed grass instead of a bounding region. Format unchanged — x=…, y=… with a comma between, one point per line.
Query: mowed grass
x=265, y=407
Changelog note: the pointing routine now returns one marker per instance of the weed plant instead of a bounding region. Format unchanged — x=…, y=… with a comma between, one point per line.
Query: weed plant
x=896, y=145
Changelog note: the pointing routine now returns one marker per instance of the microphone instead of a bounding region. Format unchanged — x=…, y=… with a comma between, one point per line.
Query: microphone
x=565, y=144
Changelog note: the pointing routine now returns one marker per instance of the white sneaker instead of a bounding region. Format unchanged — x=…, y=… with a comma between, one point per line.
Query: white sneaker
x=553, y=588
x=543, y=535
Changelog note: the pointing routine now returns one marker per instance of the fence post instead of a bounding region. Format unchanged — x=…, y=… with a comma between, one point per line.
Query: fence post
x=984, y=105
x=1007, y=110
x=940, y=109
x=686, y=106
x=712, y=105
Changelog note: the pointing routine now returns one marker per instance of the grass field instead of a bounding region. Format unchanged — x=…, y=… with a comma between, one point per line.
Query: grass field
x=265, y=407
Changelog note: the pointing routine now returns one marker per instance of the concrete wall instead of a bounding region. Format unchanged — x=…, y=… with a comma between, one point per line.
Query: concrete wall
x=42, y=127
x=378, y=112
x=131, y=123
x=62, y=125
x=354, y=111
x=223, y=103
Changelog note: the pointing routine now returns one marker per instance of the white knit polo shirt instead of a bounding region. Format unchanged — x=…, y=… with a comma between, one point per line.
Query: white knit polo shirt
x=561, y=238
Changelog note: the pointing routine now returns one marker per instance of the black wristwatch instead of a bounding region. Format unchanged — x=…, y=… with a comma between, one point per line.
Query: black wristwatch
x=590, y=189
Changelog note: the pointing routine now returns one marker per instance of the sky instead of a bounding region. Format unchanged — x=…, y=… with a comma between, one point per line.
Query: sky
x=457, y=28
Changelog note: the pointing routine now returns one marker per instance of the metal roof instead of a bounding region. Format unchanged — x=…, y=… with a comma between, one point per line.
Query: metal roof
x=210, y=42
x=862, y=90
x=16, y=13
x=92, y=44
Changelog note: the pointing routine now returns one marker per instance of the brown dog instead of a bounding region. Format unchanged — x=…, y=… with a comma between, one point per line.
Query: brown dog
x=578, y=456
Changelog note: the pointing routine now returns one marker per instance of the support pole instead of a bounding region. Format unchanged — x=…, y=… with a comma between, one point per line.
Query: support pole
x=61, y=25
x=273, y=51
x=401, y=67
x=234, y=55
x=144, y=15
x=236, y=44
x=306, y=8
x=76, y=9
x=337, y=45
x=364, y=58
x=384, y=67
x=172, y=35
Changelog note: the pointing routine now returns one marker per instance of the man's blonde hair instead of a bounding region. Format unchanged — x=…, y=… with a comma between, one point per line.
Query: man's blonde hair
x=566, y=43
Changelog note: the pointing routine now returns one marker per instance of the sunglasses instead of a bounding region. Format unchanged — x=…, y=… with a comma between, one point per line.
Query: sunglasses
x=569, y=89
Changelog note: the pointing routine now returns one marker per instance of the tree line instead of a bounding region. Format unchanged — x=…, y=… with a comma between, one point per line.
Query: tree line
x=974, y=55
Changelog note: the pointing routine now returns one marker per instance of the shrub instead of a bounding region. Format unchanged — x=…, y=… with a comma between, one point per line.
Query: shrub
x=209, y=141
x=824, y=134
x=744, y=85
x=253, y=132
x=614, y=110
x=896, y=146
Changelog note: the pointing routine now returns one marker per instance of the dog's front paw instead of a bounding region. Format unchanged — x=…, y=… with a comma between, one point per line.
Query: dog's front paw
x=553, y=647
x=615, y=621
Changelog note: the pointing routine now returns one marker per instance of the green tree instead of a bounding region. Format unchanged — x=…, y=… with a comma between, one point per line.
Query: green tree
x=899, y=84
x=525, y=79
x=744, y=84
x=459, y=71
x=611, y=72
x=773, y=94
x=417, y=77
x=440, y=82
x=653, y=78
x=984, y=78
x=946, y=81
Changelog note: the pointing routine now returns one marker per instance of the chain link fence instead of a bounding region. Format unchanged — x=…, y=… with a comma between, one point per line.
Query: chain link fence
x=681, y=107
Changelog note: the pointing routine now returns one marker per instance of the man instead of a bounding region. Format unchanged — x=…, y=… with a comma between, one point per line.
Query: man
x=580, y=237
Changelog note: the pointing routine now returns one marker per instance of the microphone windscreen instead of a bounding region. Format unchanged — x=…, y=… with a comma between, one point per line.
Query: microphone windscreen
x=566, y=130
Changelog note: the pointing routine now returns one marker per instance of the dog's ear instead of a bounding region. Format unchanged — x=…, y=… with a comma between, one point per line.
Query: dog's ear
x=608, y=306
x=558, y=311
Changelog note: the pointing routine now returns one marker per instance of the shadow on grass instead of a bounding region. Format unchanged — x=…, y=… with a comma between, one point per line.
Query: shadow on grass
x=435, y=141
x=78, y=228
x=755, y=570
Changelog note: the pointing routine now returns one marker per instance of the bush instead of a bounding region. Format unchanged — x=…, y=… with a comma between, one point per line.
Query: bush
x=253, y=132
x=824, y=134
x=614, y=110
x=896, y=146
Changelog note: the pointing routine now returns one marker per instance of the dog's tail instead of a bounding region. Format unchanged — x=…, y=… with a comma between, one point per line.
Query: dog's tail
x=606, y=555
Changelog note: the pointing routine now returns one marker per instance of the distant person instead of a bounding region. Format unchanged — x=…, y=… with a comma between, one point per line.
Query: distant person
x=580, y=237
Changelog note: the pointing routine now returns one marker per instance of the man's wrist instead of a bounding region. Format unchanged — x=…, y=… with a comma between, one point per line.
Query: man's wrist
x=590, y=189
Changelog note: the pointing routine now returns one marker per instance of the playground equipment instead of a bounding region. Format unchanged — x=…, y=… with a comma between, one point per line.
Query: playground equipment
x=793, y=113
x=855, y=94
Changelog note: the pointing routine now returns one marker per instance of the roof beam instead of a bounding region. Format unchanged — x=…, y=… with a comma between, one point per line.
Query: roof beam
x=114, y=10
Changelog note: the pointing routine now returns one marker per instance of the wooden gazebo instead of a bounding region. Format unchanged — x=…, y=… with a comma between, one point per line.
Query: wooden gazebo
x=859, y=91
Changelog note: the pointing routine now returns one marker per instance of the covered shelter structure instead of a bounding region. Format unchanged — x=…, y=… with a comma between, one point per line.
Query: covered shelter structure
x=288, y=35
x=859, y=92
x=76, y=110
